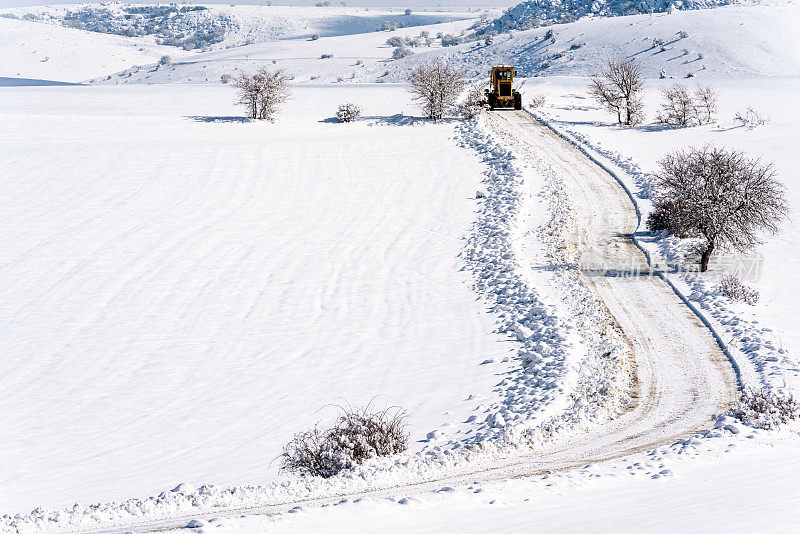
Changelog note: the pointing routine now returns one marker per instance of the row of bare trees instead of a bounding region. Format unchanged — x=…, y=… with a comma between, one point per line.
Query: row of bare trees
x=682, y=108
x=435, y=86
x=618, y=88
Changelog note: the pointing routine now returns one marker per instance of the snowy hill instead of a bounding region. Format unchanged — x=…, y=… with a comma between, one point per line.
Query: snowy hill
x=534, y=13
x=50, y=52
x=214, y=26
x=723, y=42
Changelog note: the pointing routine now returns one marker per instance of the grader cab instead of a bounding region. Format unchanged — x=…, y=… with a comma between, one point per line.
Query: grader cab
x=501, y=93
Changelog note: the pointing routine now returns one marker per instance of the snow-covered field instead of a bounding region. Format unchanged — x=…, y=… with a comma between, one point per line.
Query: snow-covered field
x=182, y=289
x=208, y=285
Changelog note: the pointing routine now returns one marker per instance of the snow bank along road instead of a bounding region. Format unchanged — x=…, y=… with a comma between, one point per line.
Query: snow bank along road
x=683, y=378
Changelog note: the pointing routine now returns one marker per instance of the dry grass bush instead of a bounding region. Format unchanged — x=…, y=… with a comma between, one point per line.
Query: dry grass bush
x=763, y=409
x=356, y=436
x=537, y=100
x=733, y=288
x=750, y=118
x=473, y=101
x=348, y=112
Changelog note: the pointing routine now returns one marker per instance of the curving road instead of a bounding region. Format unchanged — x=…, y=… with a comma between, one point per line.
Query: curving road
x=682, y=376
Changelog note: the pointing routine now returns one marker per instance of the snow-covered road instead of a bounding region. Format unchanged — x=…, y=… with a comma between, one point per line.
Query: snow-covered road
x=683, y=378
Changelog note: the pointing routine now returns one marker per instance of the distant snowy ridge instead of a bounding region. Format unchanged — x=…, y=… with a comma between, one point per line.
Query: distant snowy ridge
x=535, y=13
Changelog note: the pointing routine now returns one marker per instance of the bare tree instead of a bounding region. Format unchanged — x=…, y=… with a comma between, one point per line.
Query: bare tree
x=722, y=196
x=678, y=108
x=681, y=108
x=435, y=85
x=618, y=88
x=262, y=92
x=705, y=104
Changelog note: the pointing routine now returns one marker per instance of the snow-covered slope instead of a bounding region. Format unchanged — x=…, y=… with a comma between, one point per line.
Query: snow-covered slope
x=50, y=52
x=723, y=42
x=34, y=42
x=534, y=13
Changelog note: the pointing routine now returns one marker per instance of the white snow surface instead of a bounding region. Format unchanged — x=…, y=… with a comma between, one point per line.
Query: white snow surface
x=207, y=285
x=182, y=290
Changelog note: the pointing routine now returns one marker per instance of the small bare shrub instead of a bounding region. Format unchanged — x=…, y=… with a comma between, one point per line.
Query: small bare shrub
x=473, y=102
x=750, y=118
x=407, y=12
x=401, y=52
x=395, y=41
x=388, y=26
x=348, y=112
x=733, y=288
x=683, y=34
x=356, y=436
x=314, y=36
x=677, y=108
x=681, y=109
x=326, y=56
x=705, y=104
x=767, y=410
x=537, y=100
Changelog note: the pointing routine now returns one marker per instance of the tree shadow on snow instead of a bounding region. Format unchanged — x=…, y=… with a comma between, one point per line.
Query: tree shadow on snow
x=203, y=118
x=397, y=120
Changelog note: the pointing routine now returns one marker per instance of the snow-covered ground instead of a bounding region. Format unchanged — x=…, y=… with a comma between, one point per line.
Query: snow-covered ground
x=748, y=487
x=181, y=289
x=208, y=285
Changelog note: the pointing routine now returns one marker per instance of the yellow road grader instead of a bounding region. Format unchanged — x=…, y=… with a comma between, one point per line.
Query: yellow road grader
x=501, y=93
